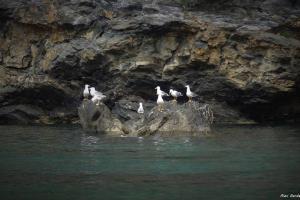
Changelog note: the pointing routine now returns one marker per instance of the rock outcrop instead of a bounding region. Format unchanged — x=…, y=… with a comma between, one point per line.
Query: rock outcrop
x=98, y=119
x=190, y=118
x=241, y=57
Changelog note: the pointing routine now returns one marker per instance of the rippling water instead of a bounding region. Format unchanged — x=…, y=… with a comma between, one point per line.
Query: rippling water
x=239, y=162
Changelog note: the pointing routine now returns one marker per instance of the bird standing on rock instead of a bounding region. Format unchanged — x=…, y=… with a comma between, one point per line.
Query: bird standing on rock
x=160, y=102
x=160, y=92
x=86, y=91
x=97, y=96
x=175, y=94
x=141, y=109
x=189, y=93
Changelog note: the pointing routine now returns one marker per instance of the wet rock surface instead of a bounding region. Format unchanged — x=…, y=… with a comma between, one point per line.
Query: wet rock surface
x=190, y=118
x=241, y=57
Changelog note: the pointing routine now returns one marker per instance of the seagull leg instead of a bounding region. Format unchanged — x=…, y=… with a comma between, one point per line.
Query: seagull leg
x=86, y=98
x=160, y=108
x=174, y=100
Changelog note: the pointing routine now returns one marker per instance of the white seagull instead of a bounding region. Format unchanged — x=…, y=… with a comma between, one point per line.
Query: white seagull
x=95, y=92
x=160, y=92
x=175, y=94
x=141, y=109
x=86, y=91
x=97, y=96
x=160, y=102
x=189, y=93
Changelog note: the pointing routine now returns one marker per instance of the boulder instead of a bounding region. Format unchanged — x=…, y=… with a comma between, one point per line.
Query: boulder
x=190, y=118
x=99, y=119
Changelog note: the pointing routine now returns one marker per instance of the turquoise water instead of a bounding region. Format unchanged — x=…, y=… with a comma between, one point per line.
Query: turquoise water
x=239, y=162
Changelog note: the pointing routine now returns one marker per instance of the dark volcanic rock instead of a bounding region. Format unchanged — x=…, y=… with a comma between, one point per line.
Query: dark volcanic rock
x=241, y=57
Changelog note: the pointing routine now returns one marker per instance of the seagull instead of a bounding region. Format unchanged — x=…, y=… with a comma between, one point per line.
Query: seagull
x=97, y=99
x=160, y=102
x=160, y=92
x=86, y=91
x=95, y=92
x=175, y=94
x=97, y=96
x=141, y=109
x=189, y=93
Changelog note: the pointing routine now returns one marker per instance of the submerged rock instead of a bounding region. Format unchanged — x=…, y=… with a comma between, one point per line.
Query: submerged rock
x=189, y=118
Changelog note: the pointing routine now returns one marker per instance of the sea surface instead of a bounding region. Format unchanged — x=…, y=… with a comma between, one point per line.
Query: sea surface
x=63, y=162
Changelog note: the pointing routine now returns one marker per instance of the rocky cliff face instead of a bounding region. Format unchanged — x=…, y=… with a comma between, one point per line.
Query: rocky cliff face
x=242, y=57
